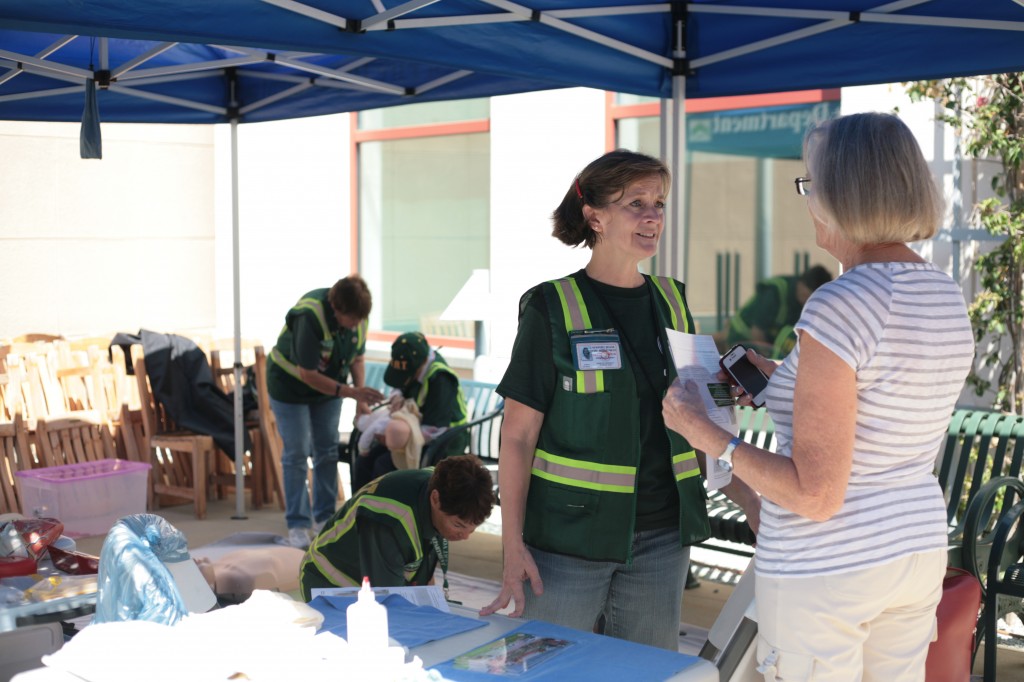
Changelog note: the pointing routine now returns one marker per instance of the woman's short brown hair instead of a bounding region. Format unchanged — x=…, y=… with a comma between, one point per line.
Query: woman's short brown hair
x=603, y=181
x=870, y=181
x=351, y=296
x=465, y=488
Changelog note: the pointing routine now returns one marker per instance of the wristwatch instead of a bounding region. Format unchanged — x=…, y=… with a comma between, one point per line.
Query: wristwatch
x=725, y=459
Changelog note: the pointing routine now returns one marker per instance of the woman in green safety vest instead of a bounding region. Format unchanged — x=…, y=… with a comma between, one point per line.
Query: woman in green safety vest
x=320, y=346
x=599, y=501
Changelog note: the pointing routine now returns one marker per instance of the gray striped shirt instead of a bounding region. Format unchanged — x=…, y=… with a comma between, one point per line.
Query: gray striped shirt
x=903, y=328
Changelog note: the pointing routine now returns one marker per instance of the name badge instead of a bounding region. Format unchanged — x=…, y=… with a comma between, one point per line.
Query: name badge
x=596, y=349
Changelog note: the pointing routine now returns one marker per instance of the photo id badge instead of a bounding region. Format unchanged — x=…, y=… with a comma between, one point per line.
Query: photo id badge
x=592, y=349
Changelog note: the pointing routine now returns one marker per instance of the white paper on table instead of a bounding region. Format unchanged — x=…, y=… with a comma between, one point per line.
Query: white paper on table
x=420, y=595
x=695, y=357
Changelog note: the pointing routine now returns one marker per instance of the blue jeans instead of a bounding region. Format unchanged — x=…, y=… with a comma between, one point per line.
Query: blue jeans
x=308, y=431
x=640, y=601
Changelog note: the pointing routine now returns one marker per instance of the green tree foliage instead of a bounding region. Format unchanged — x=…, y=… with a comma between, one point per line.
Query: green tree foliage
x=988, y=113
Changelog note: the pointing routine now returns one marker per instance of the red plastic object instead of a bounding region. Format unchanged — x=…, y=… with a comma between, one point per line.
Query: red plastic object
x=11, y=566
x=38, y=534
x=74, y=563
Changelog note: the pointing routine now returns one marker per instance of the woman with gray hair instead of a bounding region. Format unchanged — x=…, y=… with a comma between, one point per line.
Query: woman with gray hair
x=852, y=544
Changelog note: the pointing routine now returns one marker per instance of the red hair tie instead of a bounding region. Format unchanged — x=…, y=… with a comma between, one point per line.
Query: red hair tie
x=578, y=192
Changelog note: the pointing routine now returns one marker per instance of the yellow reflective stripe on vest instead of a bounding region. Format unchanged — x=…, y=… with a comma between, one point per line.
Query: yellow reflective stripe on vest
x=361, y=333
x=670, y=292
x=332, y=534
x=278, y=358
x=576, y=316
x=421, y=398
x=317, y=308
x=611, y=478
x=685, y=465
x=381, y=505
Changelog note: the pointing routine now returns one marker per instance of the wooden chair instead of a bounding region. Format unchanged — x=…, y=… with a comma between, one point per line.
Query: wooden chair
x=14, y=456
x=79, y=437
x=10, y=394
x=271, y=438
x=40, y=391
x=266, y=482
x=180, y=459
x=34, y=338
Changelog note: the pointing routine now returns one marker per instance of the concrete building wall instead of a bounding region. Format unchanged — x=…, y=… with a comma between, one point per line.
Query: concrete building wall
x=539, y=142
x=96, y=246
x=294, y=218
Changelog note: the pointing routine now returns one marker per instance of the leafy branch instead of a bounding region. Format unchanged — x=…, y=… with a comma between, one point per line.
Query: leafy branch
x=988, y=113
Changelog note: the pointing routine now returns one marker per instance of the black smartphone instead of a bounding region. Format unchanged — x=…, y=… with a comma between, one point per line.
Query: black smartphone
x=743, y=373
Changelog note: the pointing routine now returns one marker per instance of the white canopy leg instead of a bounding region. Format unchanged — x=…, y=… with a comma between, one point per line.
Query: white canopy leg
x=239, y=415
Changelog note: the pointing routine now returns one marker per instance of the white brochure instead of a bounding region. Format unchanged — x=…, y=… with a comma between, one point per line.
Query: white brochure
x=696, y=357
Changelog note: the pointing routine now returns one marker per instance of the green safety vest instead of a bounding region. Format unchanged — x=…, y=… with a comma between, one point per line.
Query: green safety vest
x=739, y=326
x=782, y=335
x=338, y=347
x=439, y=365
x=582, y=496
x=457, y=445
x=399, y=501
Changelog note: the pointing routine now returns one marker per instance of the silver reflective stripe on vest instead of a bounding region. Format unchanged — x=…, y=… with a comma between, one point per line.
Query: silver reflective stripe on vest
x=685, y=465
x=574, y=312
x=610, y=478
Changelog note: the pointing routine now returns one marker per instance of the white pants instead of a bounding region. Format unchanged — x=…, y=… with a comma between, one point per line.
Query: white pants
x=873, y=625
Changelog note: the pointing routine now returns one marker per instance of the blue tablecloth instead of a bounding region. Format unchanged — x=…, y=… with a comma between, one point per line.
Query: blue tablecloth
x=408, y=624
x=541, y=651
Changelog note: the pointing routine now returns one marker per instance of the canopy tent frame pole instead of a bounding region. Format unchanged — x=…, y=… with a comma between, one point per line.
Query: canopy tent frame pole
x=16, y=69
x=237, y=312
x=673, y=153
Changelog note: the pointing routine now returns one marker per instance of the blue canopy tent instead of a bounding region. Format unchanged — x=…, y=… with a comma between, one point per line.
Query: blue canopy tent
x=253, y=60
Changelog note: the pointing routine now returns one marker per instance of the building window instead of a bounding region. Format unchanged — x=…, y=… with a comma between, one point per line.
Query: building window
x=424, y=216
x=743, y=221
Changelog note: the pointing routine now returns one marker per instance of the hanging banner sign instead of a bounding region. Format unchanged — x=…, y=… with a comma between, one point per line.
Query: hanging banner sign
x=776, y=132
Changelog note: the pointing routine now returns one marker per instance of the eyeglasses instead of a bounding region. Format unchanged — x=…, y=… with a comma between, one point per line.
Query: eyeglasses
x=801, y=186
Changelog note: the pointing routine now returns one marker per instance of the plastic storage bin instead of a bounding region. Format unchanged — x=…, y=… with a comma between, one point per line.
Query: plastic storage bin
x=87, y=498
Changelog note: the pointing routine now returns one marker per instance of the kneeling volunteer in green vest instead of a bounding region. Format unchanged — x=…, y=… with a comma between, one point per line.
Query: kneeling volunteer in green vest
x=396, y=529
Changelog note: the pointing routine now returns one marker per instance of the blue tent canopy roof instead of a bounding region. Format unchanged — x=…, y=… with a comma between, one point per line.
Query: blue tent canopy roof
x=295, y=58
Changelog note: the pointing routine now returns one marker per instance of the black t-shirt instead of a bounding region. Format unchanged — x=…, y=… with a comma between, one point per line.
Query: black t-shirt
x=531, y=380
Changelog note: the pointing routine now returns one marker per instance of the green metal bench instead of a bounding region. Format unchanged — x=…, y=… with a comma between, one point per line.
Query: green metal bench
x=981, y=467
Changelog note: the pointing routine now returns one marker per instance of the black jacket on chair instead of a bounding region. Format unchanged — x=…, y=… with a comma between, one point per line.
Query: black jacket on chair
x=182, y=382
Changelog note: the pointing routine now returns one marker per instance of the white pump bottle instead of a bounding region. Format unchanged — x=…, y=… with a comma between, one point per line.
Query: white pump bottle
x=367, y=622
